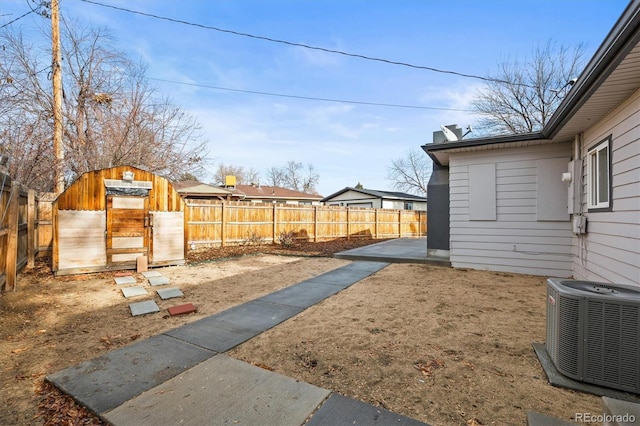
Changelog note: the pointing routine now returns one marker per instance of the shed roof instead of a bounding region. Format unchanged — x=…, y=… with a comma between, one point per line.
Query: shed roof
x=610, y=77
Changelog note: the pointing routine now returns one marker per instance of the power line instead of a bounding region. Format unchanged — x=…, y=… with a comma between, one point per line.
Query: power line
x=281, y=95
x=306, y=46
x=17, y=19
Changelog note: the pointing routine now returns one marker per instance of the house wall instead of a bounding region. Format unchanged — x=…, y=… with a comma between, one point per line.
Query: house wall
x=610, y=250
x=399, y=205
x=356, y=199
x=508, y=210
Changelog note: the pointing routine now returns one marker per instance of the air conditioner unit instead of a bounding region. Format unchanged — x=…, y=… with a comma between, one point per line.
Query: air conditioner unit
x=593, y=332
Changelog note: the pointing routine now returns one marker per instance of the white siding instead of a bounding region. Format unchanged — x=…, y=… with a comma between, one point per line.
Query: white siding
x=517, y=240
x=610, y=250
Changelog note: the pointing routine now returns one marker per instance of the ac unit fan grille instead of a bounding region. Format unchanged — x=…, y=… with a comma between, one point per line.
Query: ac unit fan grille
x=568, y=329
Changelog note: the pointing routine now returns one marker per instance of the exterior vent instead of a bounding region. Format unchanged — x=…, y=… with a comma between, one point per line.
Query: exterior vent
x=593, y=332
x=117, y=183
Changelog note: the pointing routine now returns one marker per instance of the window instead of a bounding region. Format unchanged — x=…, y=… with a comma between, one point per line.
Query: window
x=408, y=205
x=599, y=176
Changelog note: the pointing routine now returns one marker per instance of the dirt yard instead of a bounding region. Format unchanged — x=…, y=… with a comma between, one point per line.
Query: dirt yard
x=445, y=346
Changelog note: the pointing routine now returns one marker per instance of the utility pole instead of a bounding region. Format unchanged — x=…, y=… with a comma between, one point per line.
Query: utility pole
x=57, y=97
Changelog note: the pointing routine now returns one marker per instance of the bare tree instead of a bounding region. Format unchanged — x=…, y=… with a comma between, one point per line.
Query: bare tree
x=243, y=176
x=533, y=90
x=410, y=173
x=294, y=176
x=112, y=116
x=276, y=177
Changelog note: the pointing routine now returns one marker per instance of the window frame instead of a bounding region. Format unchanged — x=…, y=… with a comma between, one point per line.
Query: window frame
x=594, y=204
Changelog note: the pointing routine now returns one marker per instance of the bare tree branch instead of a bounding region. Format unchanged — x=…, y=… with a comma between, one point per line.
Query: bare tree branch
x=410, y=173
x=536, y=88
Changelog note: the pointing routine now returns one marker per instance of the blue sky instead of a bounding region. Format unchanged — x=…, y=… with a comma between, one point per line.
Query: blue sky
x=346, y=143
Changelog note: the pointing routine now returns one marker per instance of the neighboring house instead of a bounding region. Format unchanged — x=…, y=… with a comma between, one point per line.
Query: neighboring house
x=273, y=194
x=360, y=197
x=565, y=201
x=194, y=190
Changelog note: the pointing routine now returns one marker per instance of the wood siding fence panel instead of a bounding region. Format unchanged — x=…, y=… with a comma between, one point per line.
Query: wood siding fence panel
x=241, y=222
x=18, y=230
x=82, y=244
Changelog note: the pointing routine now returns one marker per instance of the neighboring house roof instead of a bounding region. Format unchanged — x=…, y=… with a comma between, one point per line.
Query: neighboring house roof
x=378, y=194
x=193, y=188
x=273, y=192
x=611, y=76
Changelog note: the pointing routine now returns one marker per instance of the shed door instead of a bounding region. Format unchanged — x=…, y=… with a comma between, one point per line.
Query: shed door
x=127, y=229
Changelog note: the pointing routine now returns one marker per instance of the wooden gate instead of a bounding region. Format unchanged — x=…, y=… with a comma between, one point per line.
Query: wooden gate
x=127, y=229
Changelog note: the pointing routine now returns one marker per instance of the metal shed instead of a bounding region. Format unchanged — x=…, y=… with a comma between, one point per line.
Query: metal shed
x=108, y=218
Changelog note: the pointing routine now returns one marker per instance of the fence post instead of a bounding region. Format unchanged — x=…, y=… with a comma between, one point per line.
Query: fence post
x=348, y=224
x=399, y=223
x=275, y=224
x=223, y=236
x=315, y=224
x=375, y=229
x=31, y=228
x=12, y=237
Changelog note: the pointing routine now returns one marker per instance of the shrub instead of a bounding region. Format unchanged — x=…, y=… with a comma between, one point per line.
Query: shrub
x=286, y=238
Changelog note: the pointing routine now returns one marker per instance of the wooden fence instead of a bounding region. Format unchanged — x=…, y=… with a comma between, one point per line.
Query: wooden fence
x=240, y=222
x=18, y=230
x=26, y=225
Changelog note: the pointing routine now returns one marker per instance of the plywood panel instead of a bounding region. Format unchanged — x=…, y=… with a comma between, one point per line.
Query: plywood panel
x=168, y=237
x=81, y=239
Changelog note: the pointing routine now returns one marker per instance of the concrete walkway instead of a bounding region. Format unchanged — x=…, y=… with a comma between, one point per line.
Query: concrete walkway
x=183, y=377
x=400, y=250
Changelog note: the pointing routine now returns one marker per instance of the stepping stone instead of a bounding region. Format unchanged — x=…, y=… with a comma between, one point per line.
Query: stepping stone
x=149, y=274
x=158, y=280
x=133, y=291
x=169, y=293
x=141, y=308
x=125, y=280
x=182, y=309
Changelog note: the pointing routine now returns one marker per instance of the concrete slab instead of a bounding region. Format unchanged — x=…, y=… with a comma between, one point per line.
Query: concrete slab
x=621, y=413
x=399, y=250
x=169, y=293
x=229, y=328
x=349, y=274
x=154, y=281
x=257, y=315
x=125, y=280
x=106, y=382
x=146, y=307
x=133, y=291
x=303, y=295
x=339, y=410
x=149, y=274
x=212, y=334
x=222, y=390
x=559, y=380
